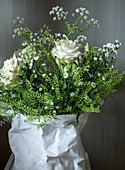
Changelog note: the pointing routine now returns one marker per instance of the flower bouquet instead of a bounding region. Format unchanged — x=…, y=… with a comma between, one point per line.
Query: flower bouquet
x=56, y=78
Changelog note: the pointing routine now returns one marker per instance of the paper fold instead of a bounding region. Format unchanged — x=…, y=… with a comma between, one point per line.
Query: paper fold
x=57, y=146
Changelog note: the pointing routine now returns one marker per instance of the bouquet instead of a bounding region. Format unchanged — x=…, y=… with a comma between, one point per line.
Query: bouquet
x=57, y=74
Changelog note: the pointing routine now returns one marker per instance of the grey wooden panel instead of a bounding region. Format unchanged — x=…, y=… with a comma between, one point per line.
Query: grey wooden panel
x=103, y=136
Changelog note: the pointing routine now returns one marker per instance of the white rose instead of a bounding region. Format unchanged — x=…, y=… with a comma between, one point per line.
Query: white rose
x=66, y=50
x=10, y=65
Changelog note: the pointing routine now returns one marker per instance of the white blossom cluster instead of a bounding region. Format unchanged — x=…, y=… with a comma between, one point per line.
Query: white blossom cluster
x=93, y=22
x=18, y=20
x=93, y=84
x=110, y=47
x=80, y=38
x=28, y=55
x=72, y=94
x=34, y=38
x=59, y=13
x=18, y=31
x=82, y=11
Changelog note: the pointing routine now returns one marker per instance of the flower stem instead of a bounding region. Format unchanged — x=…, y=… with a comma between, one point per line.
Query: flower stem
x=74, y=24
x=63, y=27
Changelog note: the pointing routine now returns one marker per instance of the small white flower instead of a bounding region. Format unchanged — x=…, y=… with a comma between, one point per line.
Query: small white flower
x=20, y=22
x=95, y=22
x=95, y=58
x=52, y=88
x=117, y=45
x=100, y=49
x=65, y=75
x=13, y=35
x=31, y=64
x=19, y=33
x=43, y=64
x=54, y=18
x=81, y=13
x=57, y=13
x=58, y=34
x=20, y=59
x=100, y=58
x=43, y=75
x=54, y=111
x=103, y=78
x=24, y=51
x=85, y=17
x=18, y=18
x=40, y=89
x=87, y=69
x=64, y=17
x=77, y=10
x=99, y=74
x=64, y=36
x=36, y=58
x=61, y=9
x=51, y=12
x=115, y=51
x=93, y=85
x=31, y=37
x=35, y=76
x=72, y=94
x=117, y=41
x=45, y=107
x=14, y=21
x=57, y=107
x=80, y=83
x=59, y=18
x=51, y=102
x=24, y=44
x=87, y=12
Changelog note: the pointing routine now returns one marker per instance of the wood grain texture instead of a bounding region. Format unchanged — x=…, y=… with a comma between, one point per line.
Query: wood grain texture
x=103, y=136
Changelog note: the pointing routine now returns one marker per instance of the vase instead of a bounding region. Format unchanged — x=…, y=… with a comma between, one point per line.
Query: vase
x=56, y=146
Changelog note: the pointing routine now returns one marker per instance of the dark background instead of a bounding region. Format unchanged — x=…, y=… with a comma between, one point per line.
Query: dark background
x=104, y=134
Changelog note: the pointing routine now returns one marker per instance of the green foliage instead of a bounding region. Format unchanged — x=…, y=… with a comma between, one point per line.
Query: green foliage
x=49, y=85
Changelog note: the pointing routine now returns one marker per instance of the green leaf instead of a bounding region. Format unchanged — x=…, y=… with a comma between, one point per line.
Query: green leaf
x=32, y=77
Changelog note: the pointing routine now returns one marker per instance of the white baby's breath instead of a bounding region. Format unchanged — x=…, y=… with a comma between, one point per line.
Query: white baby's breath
x=43, y=75
x=58, y=13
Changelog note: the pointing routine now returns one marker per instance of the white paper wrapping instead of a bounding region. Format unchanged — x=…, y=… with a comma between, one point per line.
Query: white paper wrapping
x=57, y=146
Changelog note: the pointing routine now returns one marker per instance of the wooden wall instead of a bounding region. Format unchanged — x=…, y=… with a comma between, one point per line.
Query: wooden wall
x=104, y=135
